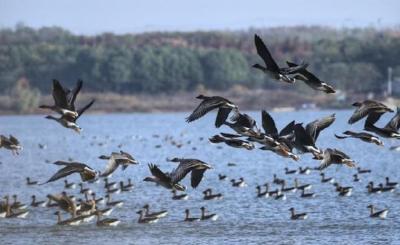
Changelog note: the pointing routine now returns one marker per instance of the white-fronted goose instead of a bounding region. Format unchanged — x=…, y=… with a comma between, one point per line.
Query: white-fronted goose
x=239, y=183
x=364, y=108
x=146, y=220
x=390, y=130
x=86, y=173
x=68, y=185
x=11, y=144
x=372, y=189
x=334, y=156
x=299, y=216
x=236, y=143
x=113, y=203
x=363, y=136
x=301, y=187
x=205, y=216
x=307, y=195
x=208, y=104
x=356, y=178
x=377, y=214
x=208, y=195
x=386, y=188
x=188, y=218
x=30, y=182
x=107, y=221
x=262, y=194
x=158, y=215
x=391, y=184
x=116, y=159
x=71, y=221
x=35, y=203
x=175, y=196
x=326, y=180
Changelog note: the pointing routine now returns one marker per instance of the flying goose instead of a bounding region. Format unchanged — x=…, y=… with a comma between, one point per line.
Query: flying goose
x=146, y=220
x=208, y=104
x=391, y=129
x=116, y=159
x=364, y=108
x=205, y=216
x=62, y=103
x=271, y=68
x=188, y=218
x=197, y=168
x=334, y=156
x=243, y=124
x=11, y=143
x=86, y=172
x=311, y=80
x=377, y=214
x=236, y=143
x=299, y=216
x=366, y=137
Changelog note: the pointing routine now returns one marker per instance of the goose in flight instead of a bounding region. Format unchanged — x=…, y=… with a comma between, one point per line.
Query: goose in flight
x=231, y=141
x=334, y=156
x=366, y=137
x=271, y=68
x=63, y=103
x=390, y=130
x=11, y=144
x=86, y=172
x=116, y=159
x=208, y=104
x=311, y=80
x=364, y=108
x=171, y=180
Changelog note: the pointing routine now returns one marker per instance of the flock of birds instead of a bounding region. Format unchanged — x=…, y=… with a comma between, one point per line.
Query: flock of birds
x=293, y=140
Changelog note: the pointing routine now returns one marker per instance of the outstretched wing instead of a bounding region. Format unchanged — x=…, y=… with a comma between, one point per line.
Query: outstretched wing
x=59, y=95
x=83, y=109
x=394, y=122
x=14, y=140
x=75, y=93
x=155, y=171
x=326, y=160
x=67, y=170
x=314, y=128
x=264, y=53
x=222, y=115
x=268, y=124
x=203, y=108
x=197, y=176
x=112, y=165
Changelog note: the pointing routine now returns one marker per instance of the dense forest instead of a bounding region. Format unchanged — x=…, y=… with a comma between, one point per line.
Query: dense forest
x=354, y=60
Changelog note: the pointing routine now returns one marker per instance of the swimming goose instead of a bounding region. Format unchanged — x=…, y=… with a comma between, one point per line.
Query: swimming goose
x=11, y=144
x=108, y=184
x=16, y=204
x=100, y=200
x=363, y=171
x=344, y=191
x=277, y=180
x=260, y=193
x=64, y=202
x=279, y=195
x=71, y=221
x=124, y=188
x=130, y=184
x=326, y=180
x=205, y=216
x=334, y=156
x=391, y=184
x=236, y=143
x=10, y=213
x=307, y=195
x=175, y=196
x=377, y=214
x=271, y=68
x=188, y=218
x=116, y=159
x=372, y=189
x=299, y=216
x=62, y=104
x=239, y=183
x=387, y=188
x=208, y=104
x=391, y=130
x=84, y=190
x=221, y=177
x=35, y=203
x=287, y=189
x=270, y=193
x=111, y=190
x=146, y=220
x=30, y=182
x=366, y=137
x=107, y=221
x=311, y=80
x=208, y=195
x=364, y=108
x=305, y=170
x=301, y=187
x=86, y=173
x=68, y=185
x=197, y=168
x=287, y=171
x=113, y=203
x=356, y=178
x=158, y=215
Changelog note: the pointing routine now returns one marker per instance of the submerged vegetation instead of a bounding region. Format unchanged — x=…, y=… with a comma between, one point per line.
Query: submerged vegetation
x=354, y=60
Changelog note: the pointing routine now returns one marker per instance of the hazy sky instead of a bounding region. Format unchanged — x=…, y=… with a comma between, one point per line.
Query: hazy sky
x=122, y=16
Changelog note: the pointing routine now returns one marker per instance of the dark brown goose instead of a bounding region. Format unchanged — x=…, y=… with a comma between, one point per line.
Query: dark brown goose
x=86, y=172
x=116, y=159
x=11, y=144
x=208, y=104
x=334, y=156
x=364, y=108
x=363, y=136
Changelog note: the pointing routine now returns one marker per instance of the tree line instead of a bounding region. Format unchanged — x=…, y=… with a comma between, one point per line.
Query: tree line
x=354, y=60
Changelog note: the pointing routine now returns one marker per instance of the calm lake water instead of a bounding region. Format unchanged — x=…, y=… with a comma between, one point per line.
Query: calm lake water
x=244, y=219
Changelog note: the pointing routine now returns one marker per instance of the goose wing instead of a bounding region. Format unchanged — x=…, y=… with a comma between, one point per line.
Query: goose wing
x=75, y=93
x=310, y=77
x=197, y=176
x=366, y=108
x=245, y=120
x=268, y=124
x=83, y=109
x=185, y=166
x=302, y=137
x=204, y=107
x=394, y=122
x=222, y=115
x=287, y=130
x=65, y=171
x=112, y=165
x=372, y=118
x=88, y=174
x=59, y=95
x=156, y=172
x=314, y=128
x=264, y=53
x=326, y=160
x=14, y=140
